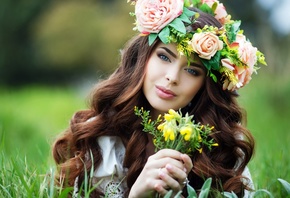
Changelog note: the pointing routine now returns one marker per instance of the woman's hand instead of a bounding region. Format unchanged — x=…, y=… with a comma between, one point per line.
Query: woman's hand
x=167, y=169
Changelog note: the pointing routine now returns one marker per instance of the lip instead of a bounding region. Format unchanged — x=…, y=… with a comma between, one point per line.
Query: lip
x=164, y=93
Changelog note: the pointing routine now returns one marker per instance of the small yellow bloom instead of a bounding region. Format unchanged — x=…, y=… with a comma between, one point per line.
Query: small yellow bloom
x=199, y=138
x=174, y=113
x=159, y=117
x=149, y=121
x=187, y=137
x=168, y=117
x=172, y=136
x=160, y=127
x=211, y=128
x=186, y=131
x=199, y=150
x=215, y=144
x=168, y=133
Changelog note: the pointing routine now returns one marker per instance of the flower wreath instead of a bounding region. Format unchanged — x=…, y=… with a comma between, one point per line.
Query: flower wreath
x=225, y=50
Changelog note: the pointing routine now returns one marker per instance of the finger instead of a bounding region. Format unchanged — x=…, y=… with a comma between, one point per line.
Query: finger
x=161, y=163
x=187, y=162
x=176, y=173
x=161, y=188
x=166, y=153
x=169, y=181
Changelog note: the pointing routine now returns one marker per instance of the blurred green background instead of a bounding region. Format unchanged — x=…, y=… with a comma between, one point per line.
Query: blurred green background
x=53, y=52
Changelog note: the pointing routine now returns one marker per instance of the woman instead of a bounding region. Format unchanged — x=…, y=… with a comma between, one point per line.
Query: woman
x=158, y=74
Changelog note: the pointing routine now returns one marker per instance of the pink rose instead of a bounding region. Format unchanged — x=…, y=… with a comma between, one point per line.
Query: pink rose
x=206, y=44
x=247, y=53
x=153, y=15
x=220, y=12
x=242, y=75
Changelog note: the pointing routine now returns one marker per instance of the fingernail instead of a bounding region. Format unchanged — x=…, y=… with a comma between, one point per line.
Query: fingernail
x=168, y=166
x=161, y=173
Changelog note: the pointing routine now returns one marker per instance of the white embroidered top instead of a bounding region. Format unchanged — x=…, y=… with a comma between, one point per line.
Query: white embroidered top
x=112, y=173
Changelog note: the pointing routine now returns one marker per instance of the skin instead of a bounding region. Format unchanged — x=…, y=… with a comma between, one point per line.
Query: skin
x=170, y=83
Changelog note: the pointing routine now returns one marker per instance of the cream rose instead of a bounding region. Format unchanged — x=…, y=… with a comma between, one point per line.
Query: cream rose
x=206, y=44
x=220, y=12
x=242, y=74
x=247, y=53
x=153, y=15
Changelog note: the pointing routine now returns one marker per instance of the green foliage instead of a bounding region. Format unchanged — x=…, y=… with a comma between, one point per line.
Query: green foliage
x=176, y=131
x=30, y=118
x=286, y=185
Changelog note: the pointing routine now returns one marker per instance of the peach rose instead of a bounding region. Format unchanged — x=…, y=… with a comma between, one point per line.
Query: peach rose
x=206, y=44
x=242, y=74
x=220, y=12
x=153, y=15
x=247, y=53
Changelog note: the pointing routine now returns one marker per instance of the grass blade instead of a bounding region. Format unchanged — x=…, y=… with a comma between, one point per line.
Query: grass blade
x=285, y=184
x=205, y=188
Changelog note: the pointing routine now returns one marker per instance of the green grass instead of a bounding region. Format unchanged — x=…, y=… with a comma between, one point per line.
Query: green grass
x=31, y=117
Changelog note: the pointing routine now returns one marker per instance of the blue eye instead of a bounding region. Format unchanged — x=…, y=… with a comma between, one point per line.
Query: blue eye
x=192, y=71
x=164, y=57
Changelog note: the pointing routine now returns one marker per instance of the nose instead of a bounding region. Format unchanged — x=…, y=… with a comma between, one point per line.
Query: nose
x=172, y=75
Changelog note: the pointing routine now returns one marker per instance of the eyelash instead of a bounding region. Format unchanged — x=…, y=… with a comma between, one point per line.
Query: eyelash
x=192, y=72
x=189, y=70
x=164, y=57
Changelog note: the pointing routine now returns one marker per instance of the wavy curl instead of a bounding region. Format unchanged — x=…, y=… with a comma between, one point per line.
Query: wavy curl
x=112, y=103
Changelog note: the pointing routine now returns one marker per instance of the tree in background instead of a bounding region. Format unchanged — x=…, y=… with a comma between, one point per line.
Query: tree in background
x=16, y=49
x=49, y=41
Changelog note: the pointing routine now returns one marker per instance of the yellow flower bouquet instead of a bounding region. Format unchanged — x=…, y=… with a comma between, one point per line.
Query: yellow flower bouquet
x=175, y=131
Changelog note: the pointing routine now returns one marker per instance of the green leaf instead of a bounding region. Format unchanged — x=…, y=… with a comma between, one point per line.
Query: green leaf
x=196, y=2
x=206, y=63
x=285, y=184
x=215, y=61
x=213, y=77
x=205, y=8
x=178, y=25
x=188, y=12
x=164, y=35
x=65, y=193
x=178, y=195
x=262, y=191
x=233, y=30
x=214, y=6
x=152, y=38
x=168, y=194
x=186, y=3
x=205, y=188
x=229, y=195
x=191, y=192
x=184, y=18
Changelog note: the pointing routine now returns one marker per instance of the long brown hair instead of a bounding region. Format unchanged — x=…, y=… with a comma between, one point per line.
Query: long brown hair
x=112, y=103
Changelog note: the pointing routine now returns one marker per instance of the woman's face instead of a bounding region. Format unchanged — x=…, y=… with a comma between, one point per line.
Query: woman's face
x=170, y=83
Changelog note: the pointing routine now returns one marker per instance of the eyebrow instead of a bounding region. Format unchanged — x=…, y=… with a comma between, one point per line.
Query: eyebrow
x=196, y=65
x=169, y=51
x=175, y=56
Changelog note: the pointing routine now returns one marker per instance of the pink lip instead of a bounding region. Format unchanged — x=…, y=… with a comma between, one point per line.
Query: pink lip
x=164, y=93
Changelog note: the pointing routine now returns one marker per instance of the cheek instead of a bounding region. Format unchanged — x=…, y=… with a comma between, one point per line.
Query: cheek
x=196, y=86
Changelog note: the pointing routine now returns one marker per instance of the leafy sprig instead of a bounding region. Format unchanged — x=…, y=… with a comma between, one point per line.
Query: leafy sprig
x=176, y=131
